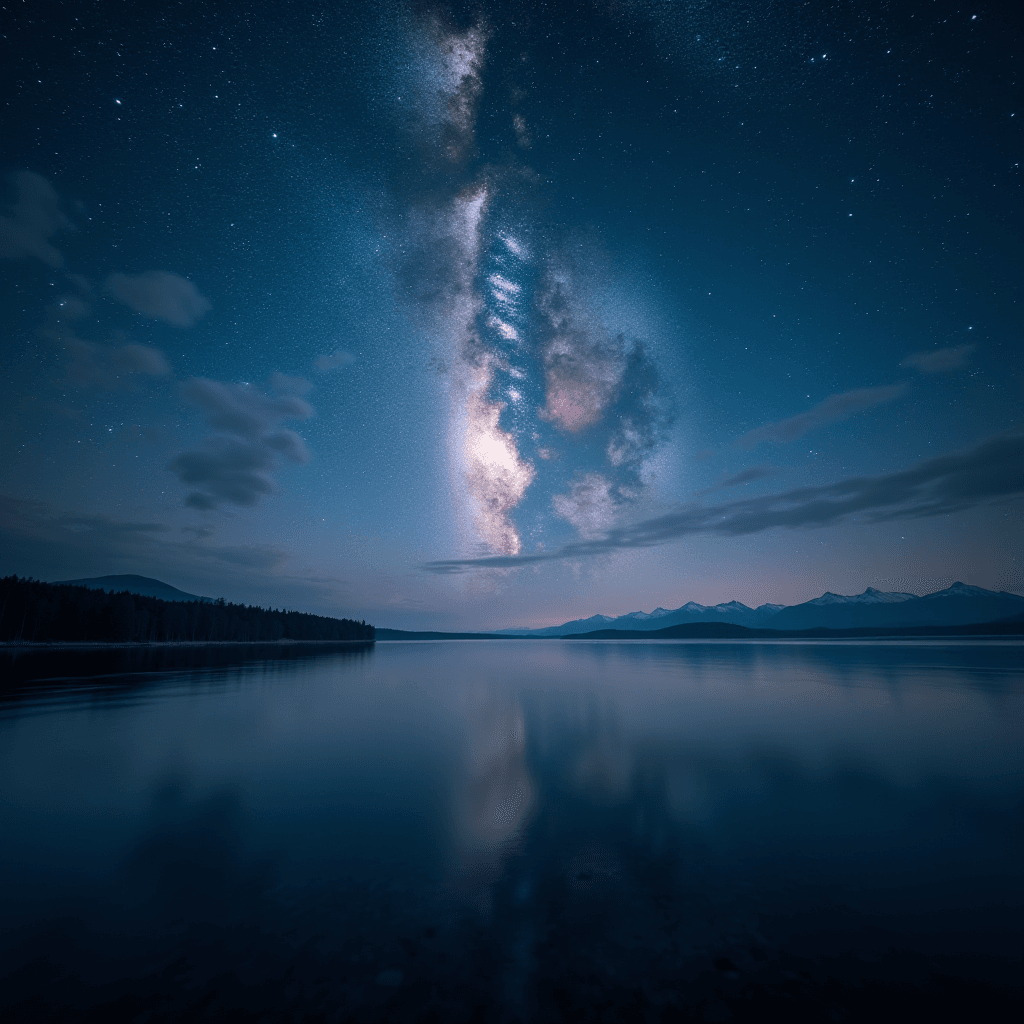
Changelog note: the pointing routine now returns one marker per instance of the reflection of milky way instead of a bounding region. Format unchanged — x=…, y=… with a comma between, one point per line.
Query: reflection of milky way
x=495, y=797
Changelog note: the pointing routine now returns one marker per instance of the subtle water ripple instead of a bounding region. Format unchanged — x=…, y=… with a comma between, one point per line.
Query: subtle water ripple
x=516, y=830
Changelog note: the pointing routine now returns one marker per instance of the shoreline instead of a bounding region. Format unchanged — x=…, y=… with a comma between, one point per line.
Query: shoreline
x=131, y=645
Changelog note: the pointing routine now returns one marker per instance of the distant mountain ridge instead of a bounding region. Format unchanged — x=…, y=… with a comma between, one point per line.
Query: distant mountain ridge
x=143, y=585
x=959, y=604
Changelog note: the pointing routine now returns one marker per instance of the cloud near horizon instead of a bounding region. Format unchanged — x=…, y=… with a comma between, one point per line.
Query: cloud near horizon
x=63, y=544
x=833, y=409
x=991, y=471
x=160, y=295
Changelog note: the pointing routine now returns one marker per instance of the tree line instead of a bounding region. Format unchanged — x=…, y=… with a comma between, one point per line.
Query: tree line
x=36, y=612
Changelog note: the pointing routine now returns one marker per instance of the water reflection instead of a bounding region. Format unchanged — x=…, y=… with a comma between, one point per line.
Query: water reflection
x=495, y=790
x=532, y=831
x=30, y=677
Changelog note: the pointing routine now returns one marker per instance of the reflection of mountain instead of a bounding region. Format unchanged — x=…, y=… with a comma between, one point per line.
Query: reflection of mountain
x=958, y=605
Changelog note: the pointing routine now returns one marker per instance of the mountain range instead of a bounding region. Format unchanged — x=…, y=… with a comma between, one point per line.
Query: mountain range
x=957, y=605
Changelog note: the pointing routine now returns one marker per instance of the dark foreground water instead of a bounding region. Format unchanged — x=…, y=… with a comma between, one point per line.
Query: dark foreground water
x=522, y=830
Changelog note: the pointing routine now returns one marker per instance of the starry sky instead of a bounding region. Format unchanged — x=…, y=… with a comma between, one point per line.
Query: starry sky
x=496, y=314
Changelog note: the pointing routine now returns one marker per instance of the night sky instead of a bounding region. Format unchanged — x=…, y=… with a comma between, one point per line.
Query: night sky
x=495, y=315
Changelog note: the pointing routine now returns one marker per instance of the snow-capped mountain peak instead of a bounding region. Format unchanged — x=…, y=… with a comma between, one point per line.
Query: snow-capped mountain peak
x=957, y=604
x=870, y=596
x=959, y=589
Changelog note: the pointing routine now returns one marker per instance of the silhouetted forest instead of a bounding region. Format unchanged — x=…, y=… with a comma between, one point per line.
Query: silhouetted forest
x=36, y=612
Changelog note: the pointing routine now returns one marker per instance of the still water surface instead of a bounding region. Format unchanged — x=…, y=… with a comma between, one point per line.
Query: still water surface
x=517, y=830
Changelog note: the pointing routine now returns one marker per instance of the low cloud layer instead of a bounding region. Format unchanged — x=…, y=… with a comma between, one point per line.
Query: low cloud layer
x=939, y=360
x=32, y=219
x=160, y=295
x=237, y=464
x=55, y=544
x=989, y=472
x=833, y=409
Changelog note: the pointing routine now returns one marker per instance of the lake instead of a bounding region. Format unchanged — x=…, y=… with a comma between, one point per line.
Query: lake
x=515, y=830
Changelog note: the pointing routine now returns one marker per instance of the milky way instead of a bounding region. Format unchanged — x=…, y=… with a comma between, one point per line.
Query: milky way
x=534, y=372
x=447, y=315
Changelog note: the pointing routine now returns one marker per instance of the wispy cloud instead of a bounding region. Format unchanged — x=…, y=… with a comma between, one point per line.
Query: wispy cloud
x=49, y=542
x=283, y=384
x=91, y=364
x=237, y=464
x=110, y=366
x=336, y=359
x=744, y=476
x=939, y=360
x=833, y=409
x=32, y=219
x=991, y=471
x=160, y=295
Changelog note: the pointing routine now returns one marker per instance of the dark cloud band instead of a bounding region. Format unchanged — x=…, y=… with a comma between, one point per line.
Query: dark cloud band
x=833, y=409
x=991, y=471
